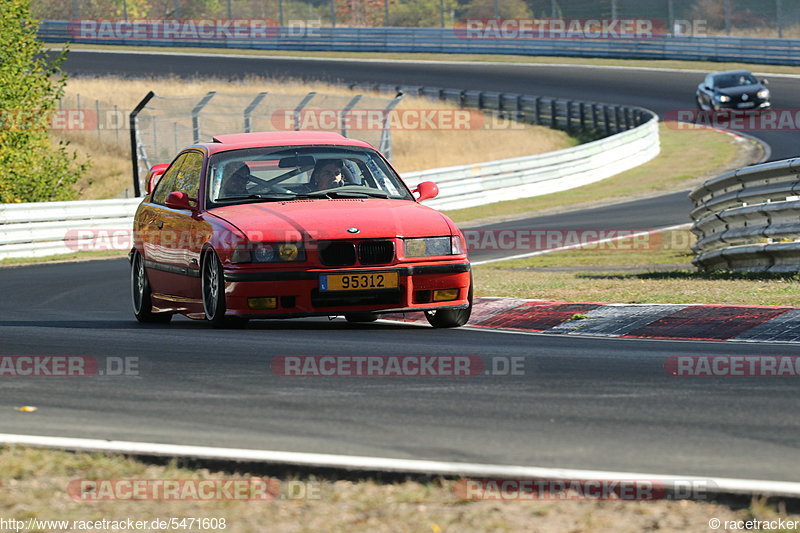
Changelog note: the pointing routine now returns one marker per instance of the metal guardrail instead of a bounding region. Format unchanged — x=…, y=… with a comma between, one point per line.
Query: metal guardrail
x=523, y=177
x=632, y=138
x=749, y=219
x=52, y=228
x=55, y=228
x=455, y=41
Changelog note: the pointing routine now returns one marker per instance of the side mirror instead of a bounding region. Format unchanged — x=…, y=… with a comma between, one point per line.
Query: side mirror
x=179, y=200
x=426, y=190
x=156, y=171
x=764, y=81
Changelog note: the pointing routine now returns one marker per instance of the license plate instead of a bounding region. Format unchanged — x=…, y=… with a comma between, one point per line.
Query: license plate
x=746, y=104
x=362, y=281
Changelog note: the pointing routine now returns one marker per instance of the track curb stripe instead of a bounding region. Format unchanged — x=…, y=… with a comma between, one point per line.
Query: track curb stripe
x=648, y=321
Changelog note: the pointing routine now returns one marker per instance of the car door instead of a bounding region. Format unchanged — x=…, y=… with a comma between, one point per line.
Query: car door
x=183, y=233
x=149, y=228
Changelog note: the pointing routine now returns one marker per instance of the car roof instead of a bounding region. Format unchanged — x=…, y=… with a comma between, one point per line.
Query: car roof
x=236, y=141
x=734, y=72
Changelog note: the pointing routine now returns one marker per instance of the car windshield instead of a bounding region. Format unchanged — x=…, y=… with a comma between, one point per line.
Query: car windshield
x=284, y=174
x=725, y=81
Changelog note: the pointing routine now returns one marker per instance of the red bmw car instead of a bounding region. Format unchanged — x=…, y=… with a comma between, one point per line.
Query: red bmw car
x=293, y=224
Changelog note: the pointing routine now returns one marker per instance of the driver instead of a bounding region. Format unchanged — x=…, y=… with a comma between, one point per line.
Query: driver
x=235, y=183
x=327, y=174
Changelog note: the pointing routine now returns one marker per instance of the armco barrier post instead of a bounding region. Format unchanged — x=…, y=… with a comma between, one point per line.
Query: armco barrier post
x=582, y=112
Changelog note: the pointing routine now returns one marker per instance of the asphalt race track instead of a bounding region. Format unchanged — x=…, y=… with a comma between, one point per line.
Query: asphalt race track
x=589, y=403
x=582, y=402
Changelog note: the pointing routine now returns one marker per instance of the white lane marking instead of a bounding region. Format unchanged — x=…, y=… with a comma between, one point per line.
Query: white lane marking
x=322, y=460
x=417, y=61
x=580, y=245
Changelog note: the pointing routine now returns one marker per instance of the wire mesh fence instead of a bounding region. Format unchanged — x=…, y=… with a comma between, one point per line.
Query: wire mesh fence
x=92, y=119
x=167, y=124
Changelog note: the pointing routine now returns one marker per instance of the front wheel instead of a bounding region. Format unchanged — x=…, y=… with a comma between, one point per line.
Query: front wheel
x=141, y=295
x=451, y=318
x=213, y=287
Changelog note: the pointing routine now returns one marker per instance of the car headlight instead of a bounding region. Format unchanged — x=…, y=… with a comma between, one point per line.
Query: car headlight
x=433, y=246
x=724, y=98
x=763, y=93
x=265, y=252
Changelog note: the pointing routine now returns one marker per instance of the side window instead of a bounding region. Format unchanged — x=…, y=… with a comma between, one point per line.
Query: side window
x=188, y=178
x=167, y=182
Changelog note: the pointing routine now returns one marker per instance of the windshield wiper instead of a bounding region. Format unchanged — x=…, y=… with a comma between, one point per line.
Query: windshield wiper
x=346, y=193
x=275, y=197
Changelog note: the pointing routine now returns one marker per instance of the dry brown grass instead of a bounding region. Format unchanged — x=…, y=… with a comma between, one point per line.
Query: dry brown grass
x=412, y=149
x=35, y=482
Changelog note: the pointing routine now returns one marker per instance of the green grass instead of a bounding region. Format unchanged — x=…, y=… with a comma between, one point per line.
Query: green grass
x=658, y=273
x=546, y=60
x=687, y=156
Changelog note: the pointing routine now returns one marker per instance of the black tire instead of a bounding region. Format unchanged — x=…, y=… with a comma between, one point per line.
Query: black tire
x=451, y=318
x=212, y=284
x=141, y=296
x=361, y=317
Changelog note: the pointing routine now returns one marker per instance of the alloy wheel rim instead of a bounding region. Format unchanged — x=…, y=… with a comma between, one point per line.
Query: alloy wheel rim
x=211, y=287
x=138, y=284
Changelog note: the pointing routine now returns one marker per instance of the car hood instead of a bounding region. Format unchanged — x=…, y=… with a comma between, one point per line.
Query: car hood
x=744, y=89
x=331, y=218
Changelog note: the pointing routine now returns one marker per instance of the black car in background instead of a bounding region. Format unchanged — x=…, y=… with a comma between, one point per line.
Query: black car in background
x=733, y=89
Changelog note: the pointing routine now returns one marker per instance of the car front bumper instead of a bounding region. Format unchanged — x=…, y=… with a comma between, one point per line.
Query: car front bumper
x=297, y=293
